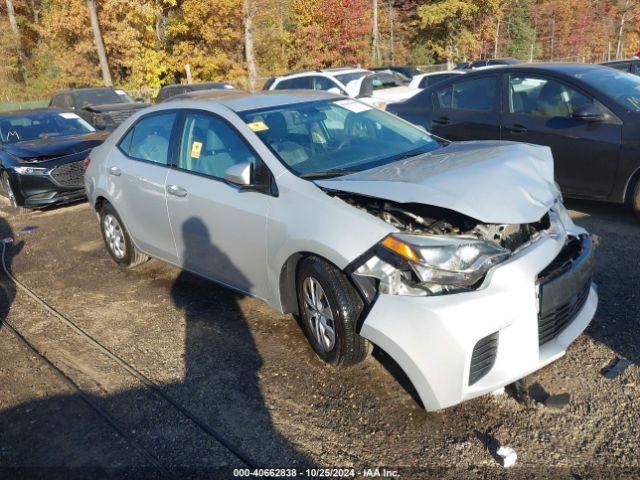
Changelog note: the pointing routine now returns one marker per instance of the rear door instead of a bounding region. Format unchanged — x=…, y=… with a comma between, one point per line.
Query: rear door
x=137, y=171
x=539, y=109
x=467, y=109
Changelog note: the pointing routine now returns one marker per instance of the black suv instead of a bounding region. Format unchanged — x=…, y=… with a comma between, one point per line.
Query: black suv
x=105, y=108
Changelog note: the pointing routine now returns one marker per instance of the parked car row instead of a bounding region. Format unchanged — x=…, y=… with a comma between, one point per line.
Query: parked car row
x=223, y=183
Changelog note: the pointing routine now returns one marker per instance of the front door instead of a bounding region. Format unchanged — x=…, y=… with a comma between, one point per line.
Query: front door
x=540, y=110
x=220, y=230
x=136, y=172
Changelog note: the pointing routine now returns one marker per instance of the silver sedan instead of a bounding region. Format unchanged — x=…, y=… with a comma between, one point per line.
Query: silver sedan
x=457, y=259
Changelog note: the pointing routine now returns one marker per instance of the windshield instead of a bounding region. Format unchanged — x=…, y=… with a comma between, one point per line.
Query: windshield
x=31, y=126
x=330, y=138
x=102, y=97
x=622, y=87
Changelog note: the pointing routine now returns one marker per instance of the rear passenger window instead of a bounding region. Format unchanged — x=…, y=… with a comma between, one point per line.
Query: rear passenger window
x=149, y=138
x=210, y=146
x=295, y=84
x=476, y=94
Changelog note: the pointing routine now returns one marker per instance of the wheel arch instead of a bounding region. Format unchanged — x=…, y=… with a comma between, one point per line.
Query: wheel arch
x=630, y=186
x=287, y=281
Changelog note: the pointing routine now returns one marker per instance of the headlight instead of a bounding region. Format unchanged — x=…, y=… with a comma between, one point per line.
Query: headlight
x=30, y=170
x=431, y=264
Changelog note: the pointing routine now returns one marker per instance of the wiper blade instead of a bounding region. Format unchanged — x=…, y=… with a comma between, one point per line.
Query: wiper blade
x=339, y=172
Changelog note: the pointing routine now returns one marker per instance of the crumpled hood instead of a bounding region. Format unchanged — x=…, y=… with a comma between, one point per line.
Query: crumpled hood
x=115, y=107
x=493, y=182
x=54, y=147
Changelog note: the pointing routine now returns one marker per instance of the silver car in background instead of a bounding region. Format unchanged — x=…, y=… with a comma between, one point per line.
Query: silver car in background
x=458, y=260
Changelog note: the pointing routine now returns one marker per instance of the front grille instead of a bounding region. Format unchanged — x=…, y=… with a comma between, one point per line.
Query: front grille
x=117, y=117
x=552, y=323
x=69, y=174
x=483, y=357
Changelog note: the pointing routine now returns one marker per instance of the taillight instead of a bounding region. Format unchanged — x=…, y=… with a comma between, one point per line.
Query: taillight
x=86, y=162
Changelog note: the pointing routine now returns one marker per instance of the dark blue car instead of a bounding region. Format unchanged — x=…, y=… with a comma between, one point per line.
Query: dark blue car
x=41, y=156
x=589, y=115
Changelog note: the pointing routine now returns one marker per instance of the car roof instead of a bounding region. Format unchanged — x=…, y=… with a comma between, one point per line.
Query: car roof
x=615, y=62
x=567, y=68
x=241, y=101
x=83, y=89
x=190, y=85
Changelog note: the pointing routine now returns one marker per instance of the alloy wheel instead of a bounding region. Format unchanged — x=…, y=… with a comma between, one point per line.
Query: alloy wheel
x=319, y=314
x=114, y=235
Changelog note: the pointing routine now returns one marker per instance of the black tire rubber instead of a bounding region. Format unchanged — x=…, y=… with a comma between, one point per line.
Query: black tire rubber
x=635, y=199
x=16, y=209
x=133, y=257
x=346, y=305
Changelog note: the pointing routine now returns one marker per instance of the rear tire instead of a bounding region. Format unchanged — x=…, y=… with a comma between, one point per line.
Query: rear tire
x=635, y=199
x=117, y=239
x=6, y=186
x=329, y=308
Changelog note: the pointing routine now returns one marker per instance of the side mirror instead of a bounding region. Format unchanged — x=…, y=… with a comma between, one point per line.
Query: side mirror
x=240, y=174
x=139, y=100
x=335, y=90
x=589, y=112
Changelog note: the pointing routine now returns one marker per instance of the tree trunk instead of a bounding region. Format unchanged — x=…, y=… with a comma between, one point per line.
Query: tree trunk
x=393, y=37
x=495, y=46
x=16, y=32
x=623, y=18
x=375, y=45
x=97, y=35
x=248, y=44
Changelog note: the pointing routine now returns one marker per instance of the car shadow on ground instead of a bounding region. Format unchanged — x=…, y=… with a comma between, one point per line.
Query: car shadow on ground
x=220, y=385
x=616, y=231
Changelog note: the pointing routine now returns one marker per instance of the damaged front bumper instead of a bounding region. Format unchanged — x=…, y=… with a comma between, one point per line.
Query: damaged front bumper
x=524, y=316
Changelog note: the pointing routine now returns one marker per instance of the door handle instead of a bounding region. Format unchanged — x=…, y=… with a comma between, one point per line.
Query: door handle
x=115, y=171
x=442, y=121
x=176, y=191
x=518, y=129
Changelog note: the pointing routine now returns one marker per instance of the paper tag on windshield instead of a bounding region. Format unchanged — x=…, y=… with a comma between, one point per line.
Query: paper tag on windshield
x=258, y=126
x=196, y=149
x=69, y=116
x=353, y=106
x=121, y=92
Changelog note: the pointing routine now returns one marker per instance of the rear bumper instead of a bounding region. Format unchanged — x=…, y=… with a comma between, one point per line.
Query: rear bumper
x=433, y=338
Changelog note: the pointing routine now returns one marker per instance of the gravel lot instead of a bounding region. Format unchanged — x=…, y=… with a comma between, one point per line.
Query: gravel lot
x=248, y=373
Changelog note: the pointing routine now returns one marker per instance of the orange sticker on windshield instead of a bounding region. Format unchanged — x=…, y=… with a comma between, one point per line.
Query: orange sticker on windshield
x=196, y=148
x=258, y=126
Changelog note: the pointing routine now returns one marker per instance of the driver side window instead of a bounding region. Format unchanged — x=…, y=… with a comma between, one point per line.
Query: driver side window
x=210, y=146
x=544, y=97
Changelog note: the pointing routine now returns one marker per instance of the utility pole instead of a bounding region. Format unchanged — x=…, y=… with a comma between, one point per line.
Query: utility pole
x=97, y=36
x=375, y=47
x=248, y=44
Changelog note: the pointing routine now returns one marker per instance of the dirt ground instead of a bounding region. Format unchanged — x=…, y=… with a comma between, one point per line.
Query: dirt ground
x=248, y=373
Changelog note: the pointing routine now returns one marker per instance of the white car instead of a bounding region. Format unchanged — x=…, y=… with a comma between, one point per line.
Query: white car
x=373, y=88
x=458, y=260
x=425, y=80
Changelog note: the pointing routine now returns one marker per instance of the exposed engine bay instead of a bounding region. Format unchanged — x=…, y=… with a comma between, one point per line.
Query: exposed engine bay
x=417, y=218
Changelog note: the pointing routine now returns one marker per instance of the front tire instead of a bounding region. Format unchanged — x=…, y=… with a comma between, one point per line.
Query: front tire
x=117, y=239
x=329, y=308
